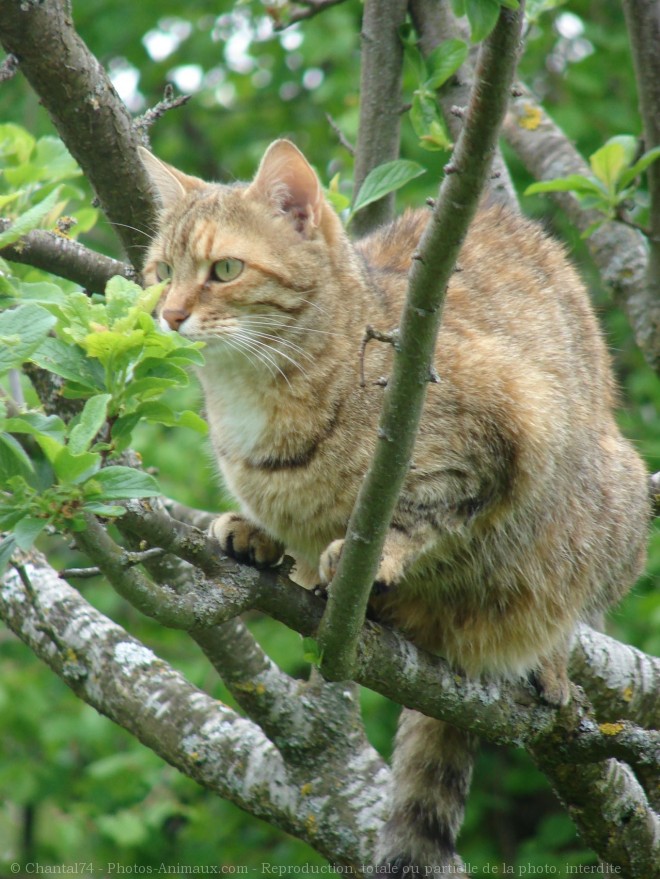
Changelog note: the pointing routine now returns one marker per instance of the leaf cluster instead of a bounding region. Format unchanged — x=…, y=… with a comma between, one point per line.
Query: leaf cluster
x=613, y=186
x=108, y=354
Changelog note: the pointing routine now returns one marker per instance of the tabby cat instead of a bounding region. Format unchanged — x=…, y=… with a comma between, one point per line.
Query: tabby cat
x=524, y=510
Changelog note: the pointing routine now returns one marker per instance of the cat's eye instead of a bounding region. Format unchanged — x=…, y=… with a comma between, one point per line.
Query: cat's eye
x=163, y=271
x=227, y=269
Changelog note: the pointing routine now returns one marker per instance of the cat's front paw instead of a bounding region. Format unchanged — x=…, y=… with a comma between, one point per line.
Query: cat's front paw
x=245, y=541
x=389, y=573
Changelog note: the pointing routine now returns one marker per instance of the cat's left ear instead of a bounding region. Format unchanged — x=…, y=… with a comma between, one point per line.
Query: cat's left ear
x=169, y=184
x=286, y=179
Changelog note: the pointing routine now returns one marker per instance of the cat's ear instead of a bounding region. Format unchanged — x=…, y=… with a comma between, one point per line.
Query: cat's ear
x=286, y=179
x=169, y=184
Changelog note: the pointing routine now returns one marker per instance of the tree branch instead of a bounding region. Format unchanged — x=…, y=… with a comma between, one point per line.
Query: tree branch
x=84, y=108
x=405, y=394
x=620, y=253
x=304, y=9
x=435, y=22
x=643, y=22
x=334, y=801
x=389, y=664
x=65, y=258
x=380, y=102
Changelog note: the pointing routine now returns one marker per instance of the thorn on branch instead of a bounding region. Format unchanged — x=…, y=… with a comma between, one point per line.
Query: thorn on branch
x=8, y=67
x=430, y=202
x=450, y=168
x=302, y=10
x=341, y=137
x=143, y=123
x=391, y=338
x=433, y=378
x=128, y=560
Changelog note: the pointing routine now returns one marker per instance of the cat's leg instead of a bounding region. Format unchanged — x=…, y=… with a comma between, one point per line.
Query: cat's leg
x=550, y=677
x=403, y=546
x=244, y=541
x=431, y=772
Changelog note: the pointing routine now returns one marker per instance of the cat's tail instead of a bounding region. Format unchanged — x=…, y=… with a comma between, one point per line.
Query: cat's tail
x=431, y=772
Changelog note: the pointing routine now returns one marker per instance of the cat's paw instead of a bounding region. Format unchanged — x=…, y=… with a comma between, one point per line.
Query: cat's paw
x=551, y=682
x=245, y=541
x=389, y=573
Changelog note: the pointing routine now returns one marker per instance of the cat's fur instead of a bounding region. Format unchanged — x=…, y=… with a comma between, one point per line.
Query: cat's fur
x=524, y=509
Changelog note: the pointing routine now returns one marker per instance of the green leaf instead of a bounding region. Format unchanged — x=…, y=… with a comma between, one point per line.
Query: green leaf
x=311, y=651
x=7, y=549
x=114, y=483
x=482, y=15
x=37, y=424
x=572, y=183
x=27, y=530
x=70, y=362
x=30, y=220
x=444, y=61
x=639, y=167
x=14, y=461
x=385, y=179
x=16, y=142
x=100, y=509
x=91, y=420
x=22, y=331
x=72, y=469
x=610, y=161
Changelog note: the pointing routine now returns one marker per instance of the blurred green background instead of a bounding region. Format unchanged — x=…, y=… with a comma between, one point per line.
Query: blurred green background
x=75, y=788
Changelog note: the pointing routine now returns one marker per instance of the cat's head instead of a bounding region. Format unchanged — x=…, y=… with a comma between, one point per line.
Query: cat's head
x=244, y=261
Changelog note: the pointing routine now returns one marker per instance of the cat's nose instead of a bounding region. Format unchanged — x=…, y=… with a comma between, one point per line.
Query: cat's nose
x=174, y=317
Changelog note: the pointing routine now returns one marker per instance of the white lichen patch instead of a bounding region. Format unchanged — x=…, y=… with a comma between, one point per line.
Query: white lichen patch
x=11, y=588
x=130, y=655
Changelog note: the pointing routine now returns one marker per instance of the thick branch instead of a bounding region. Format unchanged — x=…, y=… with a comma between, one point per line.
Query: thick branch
x=85, y=109
x=643, y=21
x=619, y=252
x=611, y=812
x=391, y=665
x=435, y=22
x=405, y=394
x=334, y=802
x=66, y=258
x=380, y=102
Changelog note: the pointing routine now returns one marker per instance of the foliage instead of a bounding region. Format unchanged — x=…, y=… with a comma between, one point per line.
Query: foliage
x=613, y=186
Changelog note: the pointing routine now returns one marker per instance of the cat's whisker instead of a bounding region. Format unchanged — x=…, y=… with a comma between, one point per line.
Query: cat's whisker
x=150, y=237
x=286, y=343
x=257, y=349
x=268, y=321
x=263, y=345
x=236, y=345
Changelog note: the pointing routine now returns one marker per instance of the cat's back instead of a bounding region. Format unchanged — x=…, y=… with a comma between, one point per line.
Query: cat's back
x=513, y=291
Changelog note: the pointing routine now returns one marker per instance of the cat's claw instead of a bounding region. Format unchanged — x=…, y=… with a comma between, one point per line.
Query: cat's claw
x=245, y=541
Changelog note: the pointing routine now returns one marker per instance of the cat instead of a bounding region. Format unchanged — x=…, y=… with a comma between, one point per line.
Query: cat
x=524, y=510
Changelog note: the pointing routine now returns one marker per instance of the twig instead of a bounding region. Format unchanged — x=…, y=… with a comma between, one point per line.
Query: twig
x=341, y=137
x=129, y=560
x=440, y=246
x=370, y=333
x=143, y=123
x=8, y=67
x=305, y=9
